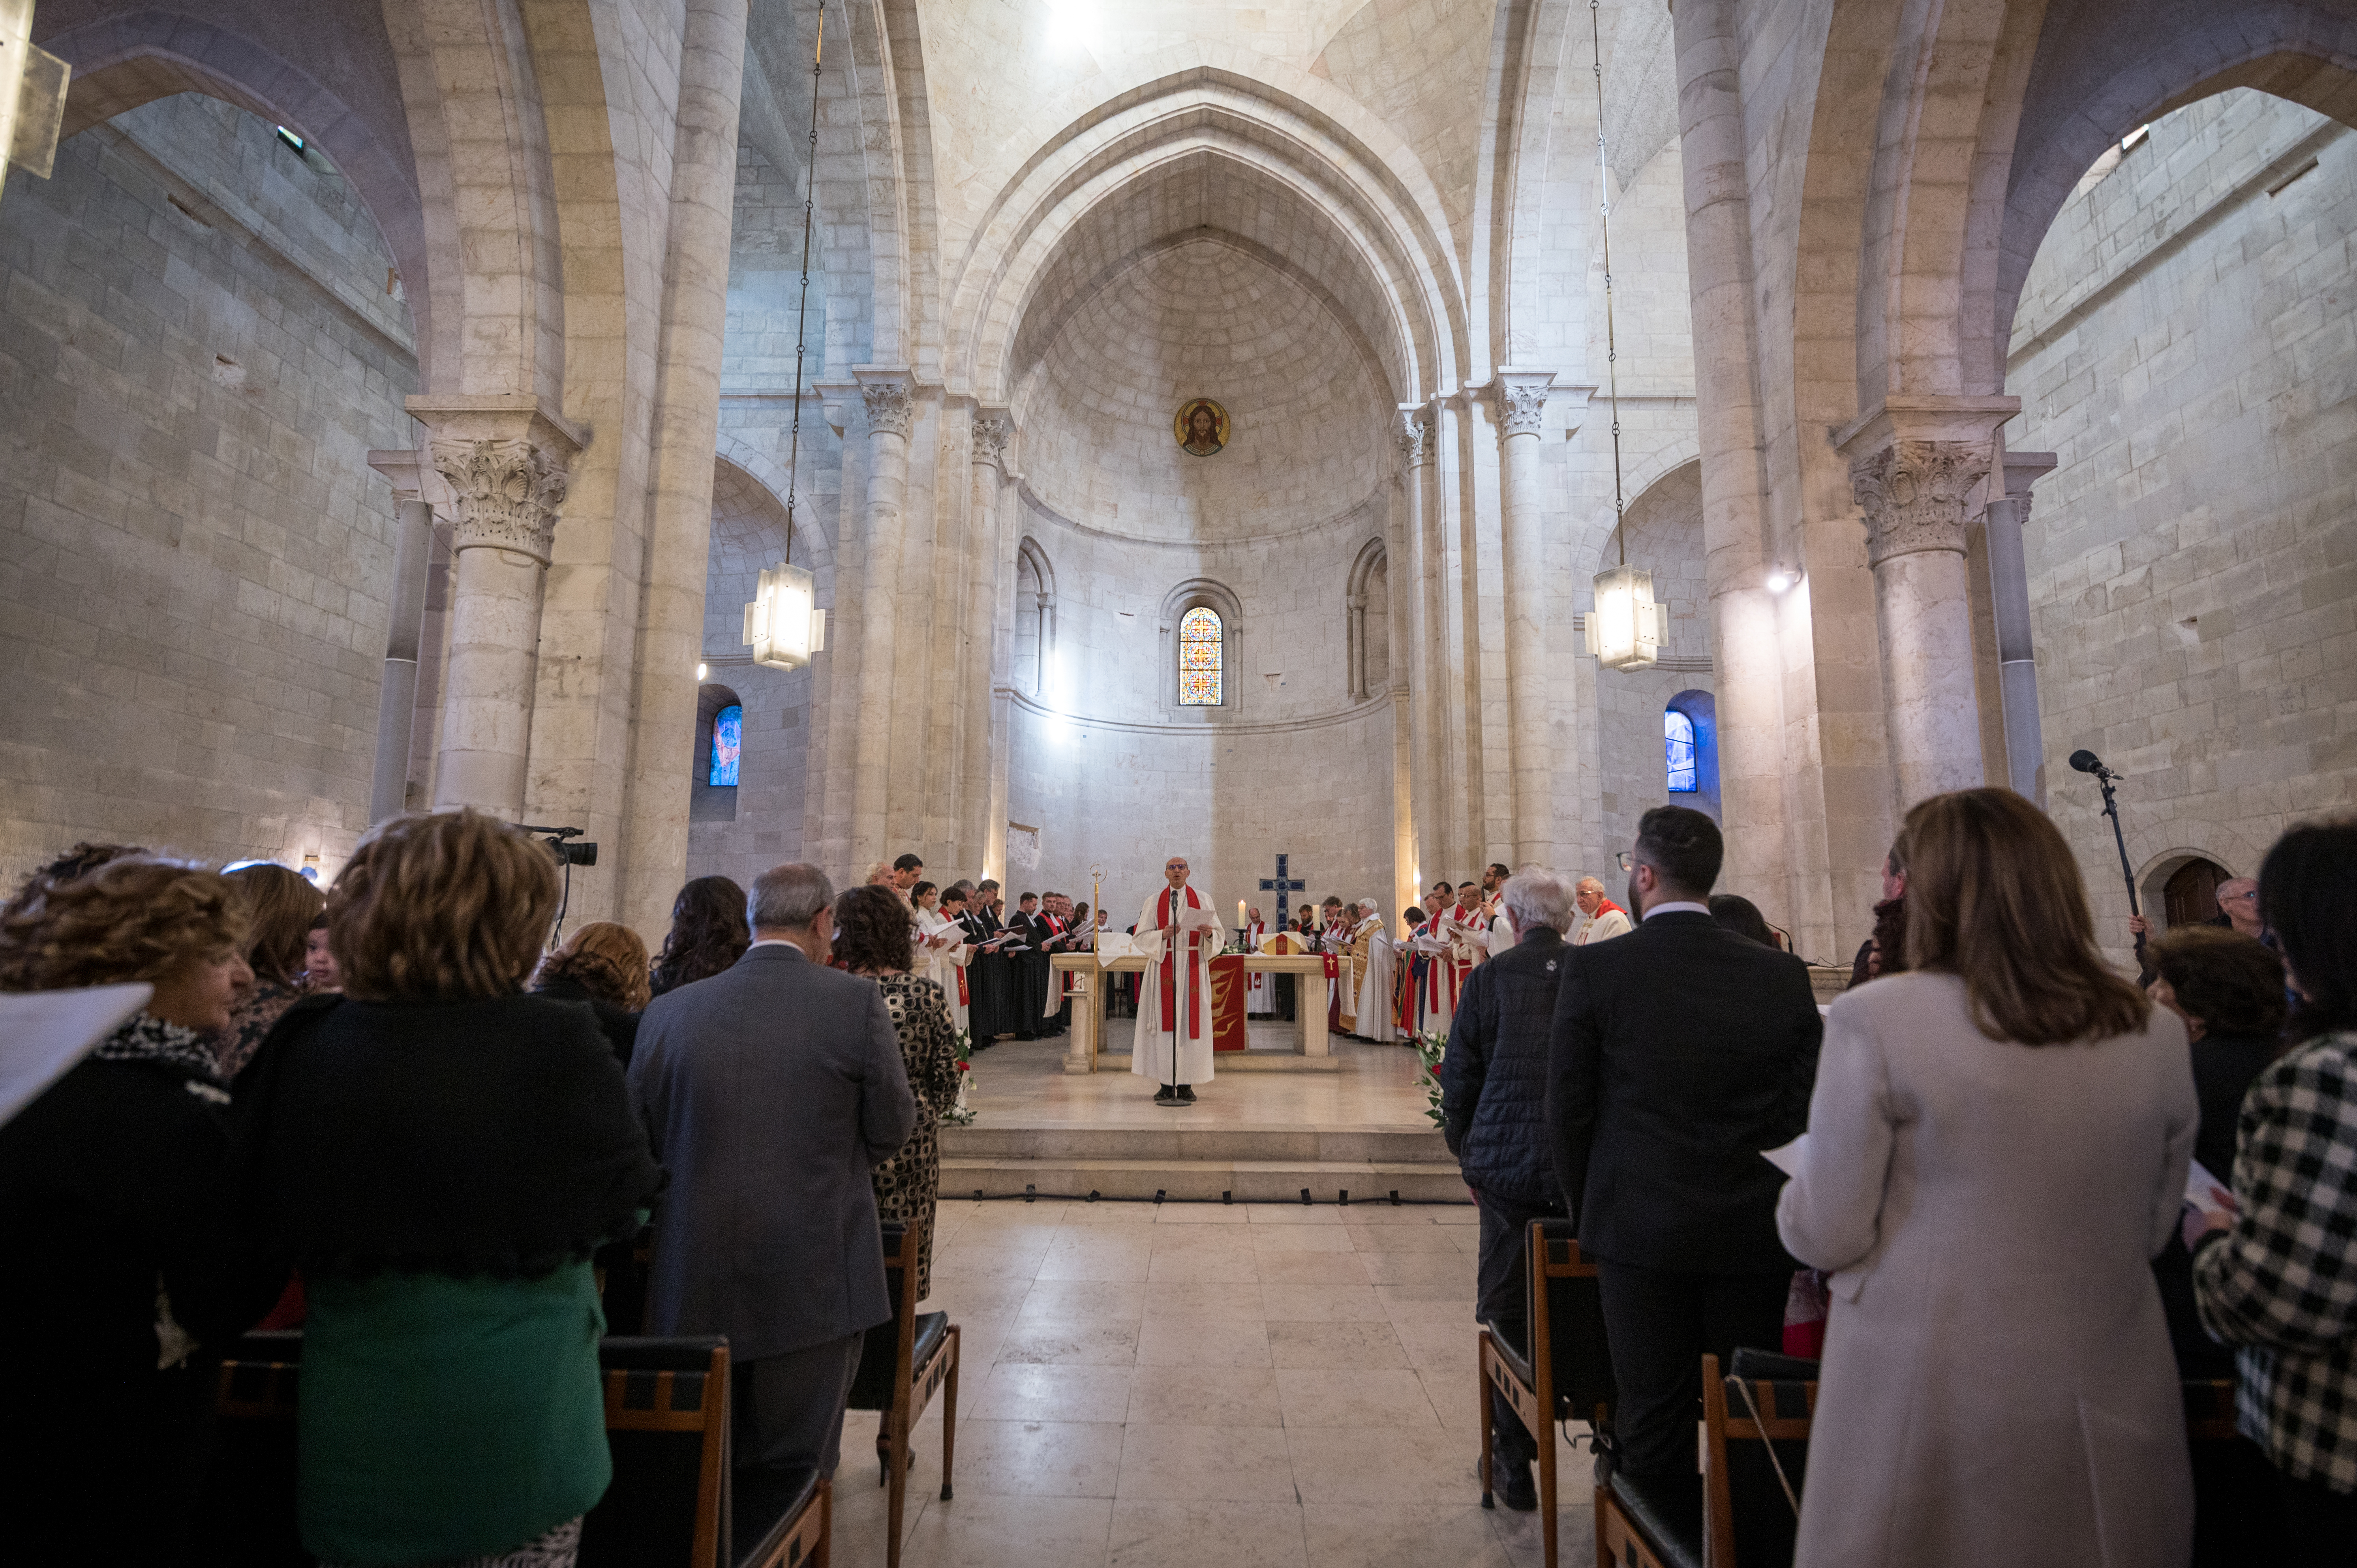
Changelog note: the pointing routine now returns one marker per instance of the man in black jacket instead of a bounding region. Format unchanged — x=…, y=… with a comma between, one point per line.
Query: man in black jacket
x=1493, y=1113
x=1681, y=1050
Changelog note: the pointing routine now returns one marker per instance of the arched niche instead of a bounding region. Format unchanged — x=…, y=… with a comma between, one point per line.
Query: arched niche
x=707, y=801
x=1698, y=710
x=1206, y=594
x=1368, y=604
x=1035, y=617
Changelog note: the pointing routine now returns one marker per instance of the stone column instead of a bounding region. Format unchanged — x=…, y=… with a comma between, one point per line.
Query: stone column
x=980, y=777
x=2007, y=517
x=1522, y=397
x=504, y=459
x=1914, y=493
x=890, y=399
x=1415, y=440
x=397, y=704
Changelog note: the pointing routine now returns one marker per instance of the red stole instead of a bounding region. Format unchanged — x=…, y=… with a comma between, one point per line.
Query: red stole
x=1169, y=968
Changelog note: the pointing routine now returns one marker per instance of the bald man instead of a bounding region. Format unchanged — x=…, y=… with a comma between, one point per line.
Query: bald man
x=1602, y=919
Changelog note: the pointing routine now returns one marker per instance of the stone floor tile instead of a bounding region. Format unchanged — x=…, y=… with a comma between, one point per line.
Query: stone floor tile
x=1025, y=1459
x=1403, y=1535
x=1204, y=1396
x=1332, y=1397
x=1017, y=1390
x=1383, y=1464
x=1064, y=1343
x=1313, y=1268
x=1292, y=1302
x=1453, y=1269
x=1400, y=1238
x=1267, y=1238
x=1341, y=1347
x=1088, y=1301
x=986, y=1531
x=1206, y=1464
x=1202, y=1298
x=1202, y=1342
x=1204, y=1267
x=1153, y=1534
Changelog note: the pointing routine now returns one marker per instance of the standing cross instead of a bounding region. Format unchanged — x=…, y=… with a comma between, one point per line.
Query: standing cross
x=1281, y=885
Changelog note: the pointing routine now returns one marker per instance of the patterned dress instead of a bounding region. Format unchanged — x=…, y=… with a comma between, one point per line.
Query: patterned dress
x=908, y=1184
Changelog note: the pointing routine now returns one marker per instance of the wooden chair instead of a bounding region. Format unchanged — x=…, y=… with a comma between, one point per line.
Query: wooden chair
x=673, y=1500
x=902, y=1365
x=246, y=1516
x=1565, y=1373
x=1755, y=1453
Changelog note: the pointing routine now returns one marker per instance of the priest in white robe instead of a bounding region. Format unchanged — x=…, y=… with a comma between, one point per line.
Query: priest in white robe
x=1377, y=1021
x=1172, y=1044
x=1601, y=919
x=942, y=951
x=1259, y=1001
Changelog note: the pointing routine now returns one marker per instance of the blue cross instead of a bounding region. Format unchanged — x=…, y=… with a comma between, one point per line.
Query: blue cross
x=1281, y=885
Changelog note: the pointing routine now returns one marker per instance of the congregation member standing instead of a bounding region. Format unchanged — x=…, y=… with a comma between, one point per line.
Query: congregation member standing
x=942, y=934
x=1493, y=1117
x=440, y=1154
x=2277, y=1277
x=1680, y=1051
x=773, y=1091
x=871, y=940
x=282, y=905
x=604, y=967
x=1033, y=931
x=707, y=934
x=1996, y=1148
x=126, y=1273
x=995, y=986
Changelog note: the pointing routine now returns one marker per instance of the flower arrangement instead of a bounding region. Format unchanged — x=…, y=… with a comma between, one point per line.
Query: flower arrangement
x=961, y=1114
x=1429, y=1049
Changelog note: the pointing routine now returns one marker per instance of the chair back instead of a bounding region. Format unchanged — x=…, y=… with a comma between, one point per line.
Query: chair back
x=1563, y=1293
x=667, y=1425
x=246, y=1517
x=884, y=1358
x=1756, y=1423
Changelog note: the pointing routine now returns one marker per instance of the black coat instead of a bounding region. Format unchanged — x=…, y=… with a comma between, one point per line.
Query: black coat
x=1681, y=1050
x=2224, y=1067
x=1493, y=1078
x=116, y=1180
x=617, y=1023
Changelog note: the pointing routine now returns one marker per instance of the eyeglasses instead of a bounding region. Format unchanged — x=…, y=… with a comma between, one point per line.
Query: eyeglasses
x=2236, y=897
x=1625, y=860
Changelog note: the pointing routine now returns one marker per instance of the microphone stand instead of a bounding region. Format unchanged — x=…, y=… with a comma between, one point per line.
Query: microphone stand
x=2112, y=809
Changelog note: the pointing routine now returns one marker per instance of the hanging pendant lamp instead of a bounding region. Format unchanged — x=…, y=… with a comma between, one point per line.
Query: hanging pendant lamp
x=783, y=625
x=1626, y=630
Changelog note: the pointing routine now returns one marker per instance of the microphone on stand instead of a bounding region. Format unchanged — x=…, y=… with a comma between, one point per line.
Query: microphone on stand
x=2084, y=761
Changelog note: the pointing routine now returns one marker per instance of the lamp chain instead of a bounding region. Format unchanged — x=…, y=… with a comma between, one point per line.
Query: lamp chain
x=801, y=310
x=1604, y=219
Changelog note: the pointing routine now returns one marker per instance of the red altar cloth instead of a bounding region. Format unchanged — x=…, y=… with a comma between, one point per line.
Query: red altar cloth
x=1228, y=978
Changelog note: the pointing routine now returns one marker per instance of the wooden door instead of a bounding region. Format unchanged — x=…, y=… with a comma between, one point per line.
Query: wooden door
x=2189, y=897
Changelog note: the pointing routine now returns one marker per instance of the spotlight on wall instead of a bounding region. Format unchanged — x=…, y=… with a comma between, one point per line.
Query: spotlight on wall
x=1780, y=578
x=783, y=625
x=1626, y=630
x=702, y=669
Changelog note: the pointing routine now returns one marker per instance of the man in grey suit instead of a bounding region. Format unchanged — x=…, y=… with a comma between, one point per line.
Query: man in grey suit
x=771, y=1091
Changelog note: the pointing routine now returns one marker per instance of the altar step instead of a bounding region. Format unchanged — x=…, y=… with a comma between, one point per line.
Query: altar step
x=1249, y=1164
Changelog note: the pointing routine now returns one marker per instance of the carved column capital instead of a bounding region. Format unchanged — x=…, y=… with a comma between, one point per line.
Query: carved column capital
x=507, y=492
x=991, y=431
x=1413, y=436
x=890, y=399
x=1914, y=494
x=1521, y=397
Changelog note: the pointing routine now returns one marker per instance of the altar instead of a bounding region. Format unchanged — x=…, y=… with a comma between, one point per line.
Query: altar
x=1228, y=972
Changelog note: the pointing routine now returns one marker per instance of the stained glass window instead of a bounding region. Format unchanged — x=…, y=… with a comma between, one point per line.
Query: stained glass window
x=1678, y=743
x=727, y=744
x=1199, y=658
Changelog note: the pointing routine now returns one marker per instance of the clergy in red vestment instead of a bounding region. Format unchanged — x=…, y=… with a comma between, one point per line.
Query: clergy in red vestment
x=1173, y=1039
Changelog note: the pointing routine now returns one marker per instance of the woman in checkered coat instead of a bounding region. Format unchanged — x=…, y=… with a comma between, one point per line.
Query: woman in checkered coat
x=1997, y=1146
x=2277, y=1279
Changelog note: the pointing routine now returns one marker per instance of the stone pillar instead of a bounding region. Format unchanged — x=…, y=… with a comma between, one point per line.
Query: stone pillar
x=981, y=809
x=1522, y=397
x=504, y=459
x=890, y=399
x=1415, y=439
x=396, y=705
x=1914, y=493
x=2007, y=517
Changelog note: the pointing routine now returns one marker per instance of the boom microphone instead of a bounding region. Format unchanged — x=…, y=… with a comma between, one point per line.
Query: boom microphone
x=2088, y=762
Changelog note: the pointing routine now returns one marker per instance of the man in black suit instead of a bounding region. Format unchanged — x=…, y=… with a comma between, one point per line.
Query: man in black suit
x=1680, y=1051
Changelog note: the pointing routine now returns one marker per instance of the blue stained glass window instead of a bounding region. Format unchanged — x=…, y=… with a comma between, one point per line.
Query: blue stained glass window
x=729, y=745
x=1678, y=745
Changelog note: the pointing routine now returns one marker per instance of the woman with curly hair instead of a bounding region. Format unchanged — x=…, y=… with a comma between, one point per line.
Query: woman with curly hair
x=871, y=938
x=603, y=964
x=282, y=905
x=115, y=1181
x=441, y=1153
x=708, y=934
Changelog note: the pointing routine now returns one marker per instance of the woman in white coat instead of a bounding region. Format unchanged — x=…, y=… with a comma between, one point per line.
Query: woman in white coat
x=1996, y=1149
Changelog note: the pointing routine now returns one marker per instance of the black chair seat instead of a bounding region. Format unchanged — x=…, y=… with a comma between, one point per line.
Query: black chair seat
x=932, y=1328
x=762, y=1504
x=871, y=1386
x=1669, y=1513
x=1510, y=1348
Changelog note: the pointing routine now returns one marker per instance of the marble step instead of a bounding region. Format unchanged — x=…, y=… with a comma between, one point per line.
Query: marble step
x=1260, y=1165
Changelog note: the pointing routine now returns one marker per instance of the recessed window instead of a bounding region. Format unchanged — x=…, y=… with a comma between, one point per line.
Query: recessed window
x=290, y=138
x=727, y=745
x=1199, y=658
x=1678, y=748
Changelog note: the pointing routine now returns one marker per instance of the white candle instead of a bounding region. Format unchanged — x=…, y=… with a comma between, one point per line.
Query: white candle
x=1240, y=914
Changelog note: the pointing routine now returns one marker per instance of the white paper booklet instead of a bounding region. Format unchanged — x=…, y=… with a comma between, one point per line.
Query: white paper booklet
x=2204, y=1191
x=44, y=1035
x=1786, y=1157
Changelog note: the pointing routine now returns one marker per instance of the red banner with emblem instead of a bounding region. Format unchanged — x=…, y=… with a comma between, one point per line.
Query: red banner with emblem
x=1228, y=977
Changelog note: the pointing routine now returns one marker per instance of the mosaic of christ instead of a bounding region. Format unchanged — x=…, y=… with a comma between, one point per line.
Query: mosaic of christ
x=1201, y=427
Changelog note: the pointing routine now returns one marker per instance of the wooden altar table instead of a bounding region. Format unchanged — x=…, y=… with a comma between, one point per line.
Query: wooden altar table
x=1309, y=1052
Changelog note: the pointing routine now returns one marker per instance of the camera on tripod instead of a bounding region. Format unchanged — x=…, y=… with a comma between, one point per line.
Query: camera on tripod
x=561, y=839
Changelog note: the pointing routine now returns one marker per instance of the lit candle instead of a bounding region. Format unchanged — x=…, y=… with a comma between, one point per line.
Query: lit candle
x=1240, y=914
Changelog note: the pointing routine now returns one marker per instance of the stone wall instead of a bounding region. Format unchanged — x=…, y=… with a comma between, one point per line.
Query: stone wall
x=197, y=352
x=2187, y=345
